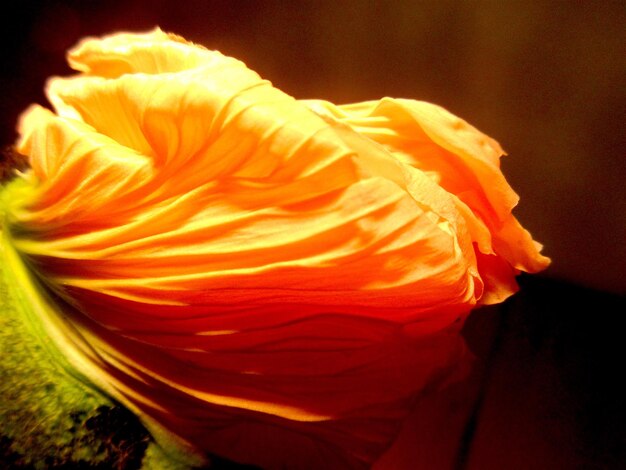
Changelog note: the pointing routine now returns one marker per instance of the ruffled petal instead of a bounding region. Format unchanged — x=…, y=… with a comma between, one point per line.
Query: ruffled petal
x=82, y=178
x=153, y=52
x=464, y=162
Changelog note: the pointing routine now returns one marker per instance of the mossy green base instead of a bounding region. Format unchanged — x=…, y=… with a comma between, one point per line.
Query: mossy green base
x=49, y=418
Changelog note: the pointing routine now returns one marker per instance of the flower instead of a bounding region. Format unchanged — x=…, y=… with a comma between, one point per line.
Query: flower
x=268, y=279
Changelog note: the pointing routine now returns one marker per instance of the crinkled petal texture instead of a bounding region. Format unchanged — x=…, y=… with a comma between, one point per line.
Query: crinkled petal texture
x=273, y=280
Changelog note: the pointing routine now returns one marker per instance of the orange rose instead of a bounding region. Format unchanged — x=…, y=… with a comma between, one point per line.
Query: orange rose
x=271, y=280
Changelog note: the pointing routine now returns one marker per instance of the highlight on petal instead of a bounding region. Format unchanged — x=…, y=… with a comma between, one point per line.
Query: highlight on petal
x=270, y=280
x=153, y=52
x=464, y=162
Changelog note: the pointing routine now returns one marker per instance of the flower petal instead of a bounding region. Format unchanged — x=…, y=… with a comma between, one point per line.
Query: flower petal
x=464, y=162
x=239, y=266
x=153, y=52
x=82, y=177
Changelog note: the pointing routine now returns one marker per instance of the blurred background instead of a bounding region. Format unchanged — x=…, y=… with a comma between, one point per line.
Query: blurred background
x=547, y=79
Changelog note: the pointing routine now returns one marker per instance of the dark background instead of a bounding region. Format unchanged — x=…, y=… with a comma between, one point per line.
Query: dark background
x=547, y=79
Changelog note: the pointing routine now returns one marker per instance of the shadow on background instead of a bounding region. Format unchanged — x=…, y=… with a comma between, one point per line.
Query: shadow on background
x=546, y=391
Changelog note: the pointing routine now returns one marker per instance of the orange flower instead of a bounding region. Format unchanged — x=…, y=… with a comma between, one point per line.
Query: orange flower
x=272, y=280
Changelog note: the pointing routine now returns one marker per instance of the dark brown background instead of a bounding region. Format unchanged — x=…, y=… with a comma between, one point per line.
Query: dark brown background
x=545, y=78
